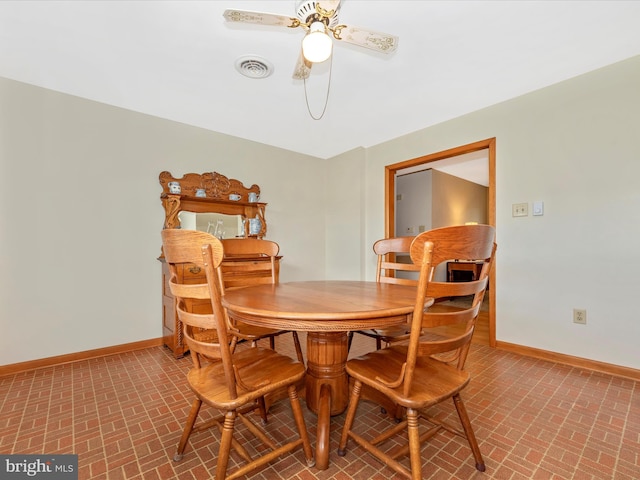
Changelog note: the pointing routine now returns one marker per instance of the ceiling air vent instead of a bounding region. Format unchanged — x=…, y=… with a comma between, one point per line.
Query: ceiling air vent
x=253, y=66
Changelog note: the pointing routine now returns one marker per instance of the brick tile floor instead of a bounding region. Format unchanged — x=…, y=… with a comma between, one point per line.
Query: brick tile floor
x=123, y=415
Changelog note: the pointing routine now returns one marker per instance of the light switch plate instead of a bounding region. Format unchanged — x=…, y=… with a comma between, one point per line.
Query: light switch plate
x=538, y=208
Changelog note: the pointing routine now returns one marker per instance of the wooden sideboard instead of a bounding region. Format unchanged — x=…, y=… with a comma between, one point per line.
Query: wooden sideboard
x=217, y=190
x=232, y=268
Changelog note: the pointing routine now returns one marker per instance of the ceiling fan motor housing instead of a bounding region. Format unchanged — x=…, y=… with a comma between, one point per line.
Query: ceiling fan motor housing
x=306, y=13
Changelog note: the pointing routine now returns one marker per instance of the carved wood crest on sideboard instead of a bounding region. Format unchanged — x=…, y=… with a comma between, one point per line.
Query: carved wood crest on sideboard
x=217, y=189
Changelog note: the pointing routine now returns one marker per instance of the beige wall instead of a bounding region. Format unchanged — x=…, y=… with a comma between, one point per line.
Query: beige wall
x=81, y=216
x=457, y=201
x=345, y=215
x=574, y=146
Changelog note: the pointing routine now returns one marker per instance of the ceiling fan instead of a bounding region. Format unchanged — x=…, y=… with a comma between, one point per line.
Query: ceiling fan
x=319, y=18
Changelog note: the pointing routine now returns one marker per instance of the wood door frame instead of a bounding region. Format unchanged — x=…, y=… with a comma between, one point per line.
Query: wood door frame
x=390, y=173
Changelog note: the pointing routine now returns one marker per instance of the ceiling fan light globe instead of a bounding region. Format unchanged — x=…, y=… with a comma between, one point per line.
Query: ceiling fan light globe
x=317, y=45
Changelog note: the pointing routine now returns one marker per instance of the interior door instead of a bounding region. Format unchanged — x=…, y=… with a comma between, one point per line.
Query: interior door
x=427, y=161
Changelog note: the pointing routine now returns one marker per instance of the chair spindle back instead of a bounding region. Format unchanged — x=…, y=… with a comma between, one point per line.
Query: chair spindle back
x=205, y=251
x=388, y=265
x=428, y=250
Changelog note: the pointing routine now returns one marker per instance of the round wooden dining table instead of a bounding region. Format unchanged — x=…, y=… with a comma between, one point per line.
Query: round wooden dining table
x=327, y=310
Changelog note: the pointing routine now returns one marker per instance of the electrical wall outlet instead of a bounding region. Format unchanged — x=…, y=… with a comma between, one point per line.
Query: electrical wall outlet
x=579, y=316
x=519, y=209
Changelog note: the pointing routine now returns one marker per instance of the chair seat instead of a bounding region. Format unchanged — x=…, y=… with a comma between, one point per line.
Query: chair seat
x=432, y=383
x=254, y=366
x=400, y=333
x=246, y=331
x=388, y=334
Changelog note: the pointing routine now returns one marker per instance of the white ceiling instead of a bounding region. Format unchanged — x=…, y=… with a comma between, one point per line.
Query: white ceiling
x=175, y=60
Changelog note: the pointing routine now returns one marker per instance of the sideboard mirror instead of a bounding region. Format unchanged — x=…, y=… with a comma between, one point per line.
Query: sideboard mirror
x=217, y=224
x=209, y=197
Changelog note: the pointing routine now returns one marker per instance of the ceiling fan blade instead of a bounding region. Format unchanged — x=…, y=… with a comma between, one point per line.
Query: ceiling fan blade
x=365, y=37
x=243, y=16
x=303, y=68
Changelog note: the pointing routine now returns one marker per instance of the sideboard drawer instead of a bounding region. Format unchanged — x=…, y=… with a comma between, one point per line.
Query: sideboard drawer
x=193, y=274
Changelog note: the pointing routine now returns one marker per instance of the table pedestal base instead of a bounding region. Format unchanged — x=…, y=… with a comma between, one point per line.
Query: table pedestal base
x=327, y=384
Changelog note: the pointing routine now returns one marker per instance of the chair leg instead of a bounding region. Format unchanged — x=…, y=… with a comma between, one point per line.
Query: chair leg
x=399, y=414
x=351, y=415
x=225, y=445
x=296, y=344
x=414, y=444
x=298, y=416
x=191, y=420
x=262, y=409
x=234, y=342
x=468, y=430
x=272, y=342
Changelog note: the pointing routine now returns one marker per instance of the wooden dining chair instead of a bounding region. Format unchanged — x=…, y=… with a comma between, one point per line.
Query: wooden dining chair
x=234, y=382
x=391, y=270
x=426, y=370
x=253, y=261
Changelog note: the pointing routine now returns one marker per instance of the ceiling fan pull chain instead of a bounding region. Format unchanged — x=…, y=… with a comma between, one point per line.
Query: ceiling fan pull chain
x=326, y=100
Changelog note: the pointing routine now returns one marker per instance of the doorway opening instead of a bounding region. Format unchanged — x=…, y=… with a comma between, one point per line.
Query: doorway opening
x=425, y=162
